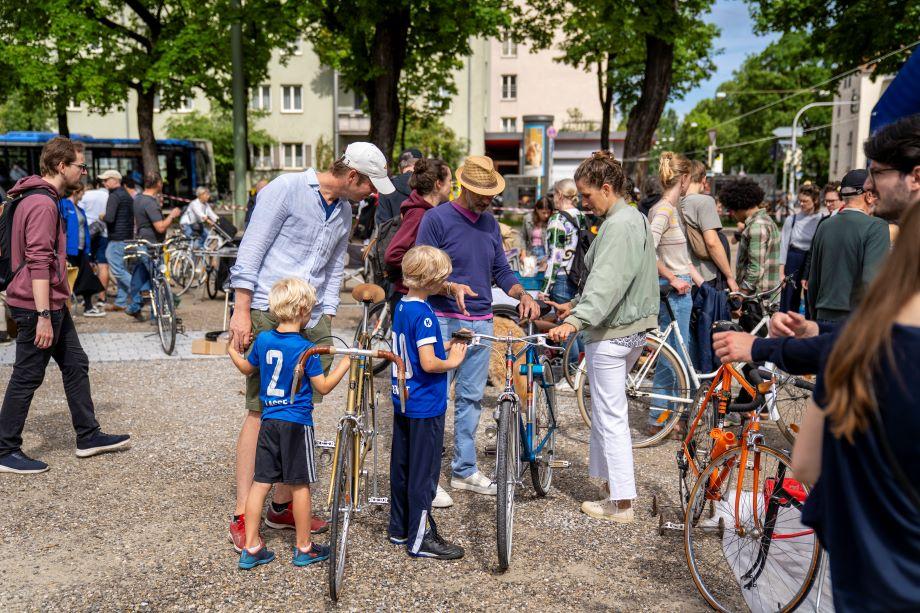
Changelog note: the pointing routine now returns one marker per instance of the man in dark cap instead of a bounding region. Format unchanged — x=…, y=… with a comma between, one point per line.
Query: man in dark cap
x=847, y=251
x=388, y=205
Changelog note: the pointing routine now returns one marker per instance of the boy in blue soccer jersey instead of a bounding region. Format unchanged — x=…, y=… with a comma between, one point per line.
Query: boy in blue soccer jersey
x=418, y=433
x=285, y=449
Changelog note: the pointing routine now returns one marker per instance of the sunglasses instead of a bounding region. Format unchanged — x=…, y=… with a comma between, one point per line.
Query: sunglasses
x=83, y=167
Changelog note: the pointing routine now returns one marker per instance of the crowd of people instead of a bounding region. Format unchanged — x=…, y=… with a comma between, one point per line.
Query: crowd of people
x=846, y=263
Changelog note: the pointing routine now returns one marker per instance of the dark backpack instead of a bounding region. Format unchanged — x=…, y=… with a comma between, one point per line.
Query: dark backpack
x=376, y=254
x=578, y=273
x=364, y=224
x=6, y=235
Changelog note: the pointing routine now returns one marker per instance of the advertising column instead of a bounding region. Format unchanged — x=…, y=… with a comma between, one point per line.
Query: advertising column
x=537, y=155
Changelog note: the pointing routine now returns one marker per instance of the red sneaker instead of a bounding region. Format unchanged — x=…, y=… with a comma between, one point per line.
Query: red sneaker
x=238, y=533
x=285, y=521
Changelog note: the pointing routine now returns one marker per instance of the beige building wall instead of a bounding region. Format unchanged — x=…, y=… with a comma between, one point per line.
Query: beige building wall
x=850, y=127
x=543, y=87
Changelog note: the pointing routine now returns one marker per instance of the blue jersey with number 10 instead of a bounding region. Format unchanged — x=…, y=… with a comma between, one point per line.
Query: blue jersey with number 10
x=415, y=325
x=275, y=355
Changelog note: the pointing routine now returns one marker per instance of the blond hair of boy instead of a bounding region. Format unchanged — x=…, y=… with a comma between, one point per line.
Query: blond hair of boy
x=291, y=301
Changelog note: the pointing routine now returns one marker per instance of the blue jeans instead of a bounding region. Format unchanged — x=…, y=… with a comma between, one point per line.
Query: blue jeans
x=115, y=254
x=197, y=239
x=664, y=382
x=140, y=281
x=471, y=377
x=563, y=291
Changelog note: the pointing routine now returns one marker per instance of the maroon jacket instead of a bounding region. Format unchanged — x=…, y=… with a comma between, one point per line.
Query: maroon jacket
x=39, y=237
x=412, y=210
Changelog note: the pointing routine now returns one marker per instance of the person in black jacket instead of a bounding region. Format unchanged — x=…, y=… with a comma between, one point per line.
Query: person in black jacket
x=388, y=205
x=119, y=219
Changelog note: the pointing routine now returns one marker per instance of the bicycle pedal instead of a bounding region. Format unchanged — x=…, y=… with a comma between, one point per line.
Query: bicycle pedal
x=378, y=500
x=324, y=444
x=559, y=463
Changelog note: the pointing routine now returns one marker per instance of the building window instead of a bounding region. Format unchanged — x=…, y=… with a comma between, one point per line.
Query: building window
x=509, y=87
x=260, y=98
x=74, y=106
x=298, y=46
x=509, y=47
x=292, y=98
x=509, y=124
x=292, y=155
x=156, y=102
x=186, y=105
x=442, y=103
x=262, y=156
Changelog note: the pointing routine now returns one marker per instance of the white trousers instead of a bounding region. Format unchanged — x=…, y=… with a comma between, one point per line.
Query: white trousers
x=611, y=456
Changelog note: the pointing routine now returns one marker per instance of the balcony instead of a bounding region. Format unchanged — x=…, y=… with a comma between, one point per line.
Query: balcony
x=353, y=122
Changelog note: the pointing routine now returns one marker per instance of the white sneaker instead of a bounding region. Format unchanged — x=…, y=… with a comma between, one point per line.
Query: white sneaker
x=607, y=510
x=94, y=312
x=477, y=482
x=442, y=499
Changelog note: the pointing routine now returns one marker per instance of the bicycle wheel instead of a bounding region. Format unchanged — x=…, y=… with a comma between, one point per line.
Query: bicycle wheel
x=640, y=384
x=570, y=368
x=211, y=282
x=583, y=392
x=380, y=335
x=791, y=400
x=544, y=427
x=753, y=553
x=341, y=511
x=698, y=442
x=506, y=461
x=182, y=272
x=165, y=315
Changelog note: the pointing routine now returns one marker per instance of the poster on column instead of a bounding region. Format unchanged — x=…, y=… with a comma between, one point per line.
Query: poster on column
x=534, y=149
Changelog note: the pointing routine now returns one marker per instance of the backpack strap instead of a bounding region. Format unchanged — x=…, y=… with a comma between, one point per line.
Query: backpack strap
x=57, y=227
x=571, y=219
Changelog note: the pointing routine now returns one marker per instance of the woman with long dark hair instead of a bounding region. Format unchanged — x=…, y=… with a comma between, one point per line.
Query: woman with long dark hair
x=858, y=441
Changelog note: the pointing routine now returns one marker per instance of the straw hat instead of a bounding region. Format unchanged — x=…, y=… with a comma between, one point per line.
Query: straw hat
x=478, y=175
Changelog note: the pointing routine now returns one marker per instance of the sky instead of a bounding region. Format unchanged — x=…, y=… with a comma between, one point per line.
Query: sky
x=737, y=41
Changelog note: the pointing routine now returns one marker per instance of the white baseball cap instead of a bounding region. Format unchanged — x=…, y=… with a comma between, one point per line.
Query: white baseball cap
x=367, y=159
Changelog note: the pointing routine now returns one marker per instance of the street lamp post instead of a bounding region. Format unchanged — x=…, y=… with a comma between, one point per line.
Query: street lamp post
x=795, y=122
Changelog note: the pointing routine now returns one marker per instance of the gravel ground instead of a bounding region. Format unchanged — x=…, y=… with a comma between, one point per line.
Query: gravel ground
x=147, y=528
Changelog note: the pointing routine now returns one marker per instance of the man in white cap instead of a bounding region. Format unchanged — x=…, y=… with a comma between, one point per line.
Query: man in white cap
x=299, y=228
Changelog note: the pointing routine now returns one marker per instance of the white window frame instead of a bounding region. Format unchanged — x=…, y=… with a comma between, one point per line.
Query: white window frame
x=290, y=163
x=257, y=98
x=74, y=107
x=262, y=157
x=509, y=47
x=186, y=105
x=298, y=46
x=509, y=124
x=285, y=98
x=156, y=102
x=509, y=87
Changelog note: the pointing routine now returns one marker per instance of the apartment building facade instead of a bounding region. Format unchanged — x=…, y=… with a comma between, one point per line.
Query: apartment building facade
x=850, y=127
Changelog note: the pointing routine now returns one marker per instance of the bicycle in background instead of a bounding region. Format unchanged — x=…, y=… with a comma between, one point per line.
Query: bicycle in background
x=162, y=301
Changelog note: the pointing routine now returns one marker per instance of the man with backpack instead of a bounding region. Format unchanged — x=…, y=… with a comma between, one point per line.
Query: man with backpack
x=33, y=270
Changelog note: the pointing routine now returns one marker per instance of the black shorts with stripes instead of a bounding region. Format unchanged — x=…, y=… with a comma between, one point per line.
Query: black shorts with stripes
x=285, y=453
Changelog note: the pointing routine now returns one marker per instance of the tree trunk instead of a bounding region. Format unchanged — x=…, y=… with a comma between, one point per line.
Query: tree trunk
x=149, y=159
x=63, y=127
x=644, y=116
x=388, y=56
x=605, y=94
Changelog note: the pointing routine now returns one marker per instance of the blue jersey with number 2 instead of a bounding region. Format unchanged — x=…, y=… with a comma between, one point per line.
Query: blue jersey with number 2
x=415, y=325
x=275, y=355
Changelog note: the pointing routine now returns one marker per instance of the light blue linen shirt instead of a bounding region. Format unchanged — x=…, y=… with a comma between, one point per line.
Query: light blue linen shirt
x=290, y=236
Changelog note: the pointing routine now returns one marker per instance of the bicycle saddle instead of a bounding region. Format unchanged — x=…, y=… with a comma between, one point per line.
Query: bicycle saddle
x=368, y=292
x=725, y=326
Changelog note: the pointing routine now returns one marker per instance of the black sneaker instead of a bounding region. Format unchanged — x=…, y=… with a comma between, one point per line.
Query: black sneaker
x=433, y=546
x=21, y=464
x=102, y=443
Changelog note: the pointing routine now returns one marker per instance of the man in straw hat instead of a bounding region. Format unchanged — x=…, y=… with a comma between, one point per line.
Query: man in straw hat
x=469, y=234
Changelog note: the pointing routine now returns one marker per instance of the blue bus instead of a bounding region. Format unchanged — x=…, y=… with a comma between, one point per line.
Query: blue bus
x=184, y=164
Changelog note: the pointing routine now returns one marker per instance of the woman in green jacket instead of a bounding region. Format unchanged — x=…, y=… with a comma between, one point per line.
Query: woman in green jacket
x=616, y=309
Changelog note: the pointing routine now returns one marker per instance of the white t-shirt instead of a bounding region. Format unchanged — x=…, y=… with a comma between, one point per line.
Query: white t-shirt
x=93, y=203
x=196, y=212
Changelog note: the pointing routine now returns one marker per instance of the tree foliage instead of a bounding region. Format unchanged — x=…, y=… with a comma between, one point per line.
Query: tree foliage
x=435, y=139
x=788, y=65
x=376, y=45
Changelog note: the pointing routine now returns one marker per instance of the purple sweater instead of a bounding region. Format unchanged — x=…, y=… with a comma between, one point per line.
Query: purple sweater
x=475, y=249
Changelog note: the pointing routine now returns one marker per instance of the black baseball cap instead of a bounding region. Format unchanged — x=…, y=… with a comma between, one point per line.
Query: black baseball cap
x=412, y=151
x=853, y=181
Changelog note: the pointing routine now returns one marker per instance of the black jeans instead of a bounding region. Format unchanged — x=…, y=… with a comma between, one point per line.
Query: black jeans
x=29, y=372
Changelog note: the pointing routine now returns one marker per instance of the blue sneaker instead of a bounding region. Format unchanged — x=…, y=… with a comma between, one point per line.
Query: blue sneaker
x=317, y=553
x=102, y=443
x=21, y=464
x=251, y=560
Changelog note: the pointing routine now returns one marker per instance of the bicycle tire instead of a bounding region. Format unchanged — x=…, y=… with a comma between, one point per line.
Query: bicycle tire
x=770, y=563
x=505, y=478
x=166, y=316
x=583, y=392
x=340, y=512
x=379, y=340
x=699, y=443
x=541, y=471
x=182, y=272
x=791, y=401
x=639, y=406
x=211, y=283
x=570, y=372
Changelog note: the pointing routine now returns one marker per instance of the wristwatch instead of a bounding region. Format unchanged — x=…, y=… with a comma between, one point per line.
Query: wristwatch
x=46, y=314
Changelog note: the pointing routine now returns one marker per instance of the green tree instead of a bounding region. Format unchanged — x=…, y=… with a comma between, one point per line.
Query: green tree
x=160, y=49
x=644, y=53
x=790, y=64
x=851, y=32
x=217, y=127
x=375, y=45
x=434, y=139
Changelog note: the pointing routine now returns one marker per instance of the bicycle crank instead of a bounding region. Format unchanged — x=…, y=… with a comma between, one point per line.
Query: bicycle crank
x=558, y=463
